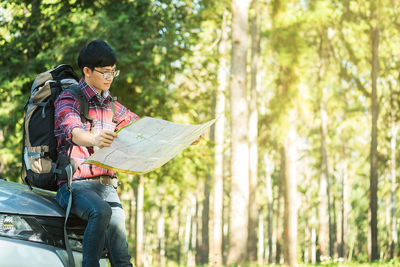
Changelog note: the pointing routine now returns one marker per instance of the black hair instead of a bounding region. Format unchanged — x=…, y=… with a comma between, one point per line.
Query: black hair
x=96, y=54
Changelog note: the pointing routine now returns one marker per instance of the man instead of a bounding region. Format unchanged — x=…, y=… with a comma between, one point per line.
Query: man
x=93, y=188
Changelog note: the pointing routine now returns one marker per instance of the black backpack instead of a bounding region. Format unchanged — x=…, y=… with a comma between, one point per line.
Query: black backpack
x=42, y=163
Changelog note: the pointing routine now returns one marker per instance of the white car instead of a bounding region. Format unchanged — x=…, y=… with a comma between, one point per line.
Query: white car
x=31, y=229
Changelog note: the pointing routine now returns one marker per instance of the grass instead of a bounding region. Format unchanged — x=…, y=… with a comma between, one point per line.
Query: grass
x=355, y=264
x=329, y=264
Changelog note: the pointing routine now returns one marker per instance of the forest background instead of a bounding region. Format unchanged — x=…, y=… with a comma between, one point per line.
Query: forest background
x=301, y=166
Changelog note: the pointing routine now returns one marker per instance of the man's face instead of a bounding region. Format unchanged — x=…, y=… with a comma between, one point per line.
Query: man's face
x=100, y=78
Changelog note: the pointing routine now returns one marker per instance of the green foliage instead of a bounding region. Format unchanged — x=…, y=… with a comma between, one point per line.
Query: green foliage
x=149, y=37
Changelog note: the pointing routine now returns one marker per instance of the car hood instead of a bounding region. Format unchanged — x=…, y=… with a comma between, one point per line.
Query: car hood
x=20, y=199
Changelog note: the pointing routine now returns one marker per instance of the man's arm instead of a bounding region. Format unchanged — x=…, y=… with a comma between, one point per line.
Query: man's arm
x=68, y=123
x=124, y=115
x=101, y=139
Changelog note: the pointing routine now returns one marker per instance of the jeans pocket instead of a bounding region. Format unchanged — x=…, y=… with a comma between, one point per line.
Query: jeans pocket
x=62, y=196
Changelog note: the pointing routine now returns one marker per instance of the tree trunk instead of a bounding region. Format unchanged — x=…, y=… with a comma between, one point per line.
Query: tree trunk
x=131, y=213
x=260, y=246
x=333, y=228
x=198, y=235
x=279, y=208
x=202, y=248
x=239, y=200
x=268, y=171
x=313, y=241
x=131, y=224
x=180, y=235
x=394, y=130
x=345, y=211
x=161, y=237
x=374, y=146
x=394, y=238
x=194, y=233
x=139, y=221
x=218, y=193
x=253, y=133
x=388, y=241
x=325, y=233
x=31, y=25
x=290, y=196
x=189, y=228
x=306, y=251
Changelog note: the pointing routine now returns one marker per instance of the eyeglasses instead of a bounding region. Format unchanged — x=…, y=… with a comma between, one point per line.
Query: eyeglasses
x=109, y=74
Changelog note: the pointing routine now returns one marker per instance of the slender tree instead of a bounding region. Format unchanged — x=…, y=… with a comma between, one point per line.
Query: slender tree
x=253, y=133
x=161, y=235
x=290, y=195
x=374, y=138
x=203, y=241
x=345, y=208
x=139, y=221
x=323, y=211
x=325, y=234
x=325, y=206
x=270, y=202
x=260, y=241
x=219, y=128
x=190, y=231
x=240, y=151
x=280, y=206
x=393, y=146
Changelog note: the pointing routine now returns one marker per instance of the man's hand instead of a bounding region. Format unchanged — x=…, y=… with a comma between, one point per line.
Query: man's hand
x=197, y=140
x=104, y=138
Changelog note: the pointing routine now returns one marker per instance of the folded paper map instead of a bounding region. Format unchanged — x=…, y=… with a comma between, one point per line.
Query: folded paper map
x=147, y=144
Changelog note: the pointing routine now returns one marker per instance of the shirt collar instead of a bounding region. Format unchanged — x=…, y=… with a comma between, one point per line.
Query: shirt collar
x=90, y=92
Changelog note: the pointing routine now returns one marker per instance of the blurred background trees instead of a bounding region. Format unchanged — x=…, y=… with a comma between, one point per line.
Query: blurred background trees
x=301, y=164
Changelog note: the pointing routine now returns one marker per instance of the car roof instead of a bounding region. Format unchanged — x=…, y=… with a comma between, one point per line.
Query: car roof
x=20, y=199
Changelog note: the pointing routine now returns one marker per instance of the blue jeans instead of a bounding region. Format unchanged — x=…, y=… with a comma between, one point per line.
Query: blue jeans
x=100, y=206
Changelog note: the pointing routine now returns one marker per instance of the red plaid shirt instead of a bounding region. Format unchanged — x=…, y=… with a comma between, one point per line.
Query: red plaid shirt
x=67, y=118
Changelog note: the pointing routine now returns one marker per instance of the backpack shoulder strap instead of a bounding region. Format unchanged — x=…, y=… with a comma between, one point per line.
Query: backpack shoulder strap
x=83, y=102
x=112, y=106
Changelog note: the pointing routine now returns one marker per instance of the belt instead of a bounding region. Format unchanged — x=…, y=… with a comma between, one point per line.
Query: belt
x=106, y=180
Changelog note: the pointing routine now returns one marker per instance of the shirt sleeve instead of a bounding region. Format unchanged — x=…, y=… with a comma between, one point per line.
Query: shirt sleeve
x=124, y=115
x=66, y=116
